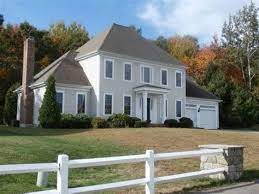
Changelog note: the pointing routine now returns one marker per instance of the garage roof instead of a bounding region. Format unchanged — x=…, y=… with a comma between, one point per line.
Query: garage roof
x=196, y=91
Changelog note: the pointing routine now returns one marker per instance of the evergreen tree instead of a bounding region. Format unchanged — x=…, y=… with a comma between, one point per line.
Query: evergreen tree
x=10, y=106
x=49, y=114
x=246, y=107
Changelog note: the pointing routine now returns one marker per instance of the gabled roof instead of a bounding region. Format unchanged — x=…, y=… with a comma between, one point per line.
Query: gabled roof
x=126, y=41
x=65, y=69
x=196, y=91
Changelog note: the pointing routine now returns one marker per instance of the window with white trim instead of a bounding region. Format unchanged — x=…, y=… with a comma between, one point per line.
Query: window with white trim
x=146, y=74
x=108, y=104
x=81, y=103
x=164, y=77
x=127, y=105
x=178, y=107
x=108, y=69
x=127, y=72
x=178, y=79
x=59, y=100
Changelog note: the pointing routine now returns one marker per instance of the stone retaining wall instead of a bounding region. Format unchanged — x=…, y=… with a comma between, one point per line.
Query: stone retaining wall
x=231, y=159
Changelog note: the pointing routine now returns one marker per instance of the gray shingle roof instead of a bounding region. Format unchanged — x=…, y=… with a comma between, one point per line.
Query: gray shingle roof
x=196, y=91
x=126, y=41
x=66, y=70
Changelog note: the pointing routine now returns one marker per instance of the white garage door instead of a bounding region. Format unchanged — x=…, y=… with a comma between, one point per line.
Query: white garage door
x=204, y=117
x=207, y=117
x=191, y=112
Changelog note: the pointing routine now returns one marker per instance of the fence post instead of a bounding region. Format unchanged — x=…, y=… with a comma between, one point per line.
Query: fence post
x=42, y=179
x=62, y=174
x=150, y=185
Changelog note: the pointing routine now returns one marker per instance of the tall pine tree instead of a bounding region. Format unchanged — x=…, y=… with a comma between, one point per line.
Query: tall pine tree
x=49, y=116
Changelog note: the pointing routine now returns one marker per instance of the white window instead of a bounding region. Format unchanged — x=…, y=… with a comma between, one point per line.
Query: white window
x=178, y=79
x=127, y=105
x=60, y=100
x=164, y=77
x=108, y=69
x=178, y=108
x=81, y=103
x=127, y=72
x=146, y=74
x=108, y=103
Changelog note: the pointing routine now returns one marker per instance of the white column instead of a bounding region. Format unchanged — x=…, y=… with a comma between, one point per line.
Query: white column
x=144, y=106
x=150, y=185
x=164, y=107
x=62, y=174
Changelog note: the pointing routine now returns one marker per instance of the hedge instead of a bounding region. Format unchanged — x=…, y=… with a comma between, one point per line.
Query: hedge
x=99, y=122
x=79, y=121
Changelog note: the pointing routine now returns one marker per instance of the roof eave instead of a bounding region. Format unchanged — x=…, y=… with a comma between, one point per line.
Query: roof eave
x=207, y=99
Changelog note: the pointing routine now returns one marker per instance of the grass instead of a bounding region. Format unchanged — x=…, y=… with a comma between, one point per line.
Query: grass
x=19, y=145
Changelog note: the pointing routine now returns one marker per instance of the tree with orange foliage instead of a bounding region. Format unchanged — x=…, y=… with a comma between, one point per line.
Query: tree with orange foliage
x=183, y=48
x=201, y=60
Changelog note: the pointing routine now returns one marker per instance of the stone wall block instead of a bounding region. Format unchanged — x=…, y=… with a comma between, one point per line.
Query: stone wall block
x=231, y=159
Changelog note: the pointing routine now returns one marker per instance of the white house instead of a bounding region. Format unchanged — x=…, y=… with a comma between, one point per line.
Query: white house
x=118, y=71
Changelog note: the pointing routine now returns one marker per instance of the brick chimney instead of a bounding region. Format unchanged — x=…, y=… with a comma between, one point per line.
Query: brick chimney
x=26, y=114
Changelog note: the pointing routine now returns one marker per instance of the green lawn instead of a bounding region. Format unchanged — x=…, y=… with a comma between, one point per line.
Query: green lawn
x=19, y=145
x=40, y=145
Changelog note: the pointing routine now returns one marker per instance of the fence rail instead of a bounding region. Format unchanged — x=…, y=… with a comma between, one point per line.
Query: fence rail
x=63, y=164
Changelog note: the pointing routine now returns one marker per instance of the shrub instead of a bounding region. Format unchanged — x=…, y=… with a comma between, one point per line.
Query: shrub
x=15, y=123
x=140, y=124
x=79, y=121
x=49, y=114
x=171, y=123
x=98, y=122
x=118, y=120
x=185, y=122
x=10, y=106
x=132, y=120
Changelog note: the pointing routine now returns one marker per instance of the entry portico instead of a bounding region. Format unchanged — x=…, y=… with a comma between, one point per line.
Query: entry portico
x=151, y=103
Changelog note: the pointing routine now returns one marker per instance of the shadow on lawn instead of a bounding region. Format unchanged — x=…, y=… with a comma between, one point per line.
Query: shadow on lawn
x=15, y=131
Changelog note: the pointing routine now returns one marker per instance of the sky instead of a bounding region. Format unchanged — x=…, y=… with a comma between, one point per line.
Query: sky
x=199, y=18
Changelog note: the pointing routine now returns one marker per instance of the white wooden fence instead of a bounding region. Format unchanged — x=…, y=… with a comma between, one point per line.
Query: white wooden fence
x=63, y=164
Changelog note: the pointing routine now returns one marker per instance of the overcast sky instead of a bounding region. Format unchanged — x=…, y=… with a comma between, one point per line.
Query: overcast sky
x=200, y=18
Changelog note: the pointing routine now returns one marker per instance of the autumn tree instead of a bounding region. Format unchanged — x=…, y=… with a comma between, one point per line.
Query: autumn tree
x=183, y=48
x=163, y=43
x=47, y=49
x=201, y=60
x=68, y=37
x=240, y=35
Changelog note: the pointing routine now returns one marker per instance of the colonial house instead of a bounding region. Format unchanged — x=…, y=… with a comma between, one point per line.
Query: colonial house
x=118, y=71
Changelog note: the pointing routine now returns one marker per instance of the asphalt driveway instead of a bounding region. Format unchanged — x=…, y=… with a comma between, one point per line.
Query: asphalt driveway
x=240, y=188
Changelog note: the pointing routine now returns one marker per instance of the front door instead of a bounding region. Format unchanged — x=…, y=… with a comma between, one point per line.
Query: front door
x=148, y=109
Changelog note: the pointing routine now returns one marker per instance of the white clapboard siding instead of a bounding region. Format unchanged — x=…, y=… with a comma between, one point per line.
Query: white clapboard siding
x=63, y=164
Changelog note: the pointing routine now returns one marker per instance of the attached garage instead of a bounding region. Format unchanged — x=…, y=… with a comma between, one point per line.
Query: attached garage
x=201, y=106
